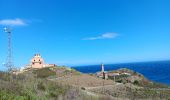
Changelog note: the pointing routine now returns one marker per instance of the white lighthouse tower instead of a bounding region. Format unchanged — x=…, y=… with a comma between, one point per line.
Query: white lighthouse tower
x=102, y=67
x=102, y=74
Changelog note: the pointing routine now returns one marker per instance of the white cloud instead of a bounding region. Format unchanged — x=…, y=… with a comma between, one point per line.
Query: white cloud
x=13, y=22
x=103, y=36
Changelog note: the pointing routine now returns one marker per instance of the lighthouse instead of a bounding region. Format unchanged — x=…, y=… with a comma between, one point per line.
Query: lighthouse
x=102, y=67
x=103, y=73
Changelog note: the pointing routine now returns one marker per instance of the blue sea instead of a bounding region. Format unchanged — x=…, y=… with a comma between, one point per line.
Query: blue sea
x=158, y=71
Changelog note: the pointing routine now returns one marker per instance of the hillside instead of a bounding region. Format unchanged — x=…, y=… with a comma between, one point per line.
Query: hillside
x=62, y=83
x=38, y=84
x=133, y=85
x=130, y=76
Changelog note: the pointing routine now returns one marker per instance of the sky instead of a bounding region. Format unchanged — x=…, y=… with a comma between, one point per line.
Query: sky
x=82, y=32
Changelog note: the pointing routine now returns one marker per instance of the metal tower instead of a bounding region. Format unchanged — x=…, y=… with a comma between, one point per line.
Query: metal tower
x=9, y=62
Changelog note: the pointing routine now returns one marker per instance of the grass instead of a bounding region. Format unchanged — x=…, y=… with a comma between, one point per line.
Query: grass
x=34, y=85
x=44, y=72
x=29, y=87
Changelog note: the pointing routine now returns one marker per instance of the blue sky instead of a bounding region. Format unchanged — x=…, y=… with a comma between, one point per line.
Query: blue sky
x=77, y=32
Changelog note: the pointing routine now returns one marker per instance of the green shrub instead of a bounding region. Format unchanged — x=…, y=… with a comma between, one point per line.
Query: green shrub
x=44, y=73
x=41, y=86
x=83, y=88
x=136, y=82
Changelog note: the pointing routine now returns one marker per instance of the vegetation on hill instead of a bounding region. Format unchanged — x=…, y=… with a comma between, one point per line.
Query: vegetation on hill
x=133, y=85
x=135, y=78
x=44, y=72
x=50, y=84
x=27, y=86
x=35, y=85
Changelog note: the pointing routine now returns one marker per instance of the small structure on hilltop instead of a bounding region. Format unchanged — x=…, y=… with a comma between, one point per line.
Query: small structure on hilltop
x=38, y=62
x=103, y=74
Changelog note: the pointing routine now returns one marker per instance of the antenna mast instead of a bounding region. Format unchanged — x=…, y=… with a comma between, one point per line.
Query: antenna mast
x=9, y=63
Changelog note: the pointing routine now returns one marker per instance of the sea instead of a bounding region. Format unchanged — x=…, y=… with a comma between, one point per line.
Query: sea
x=157, y=71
